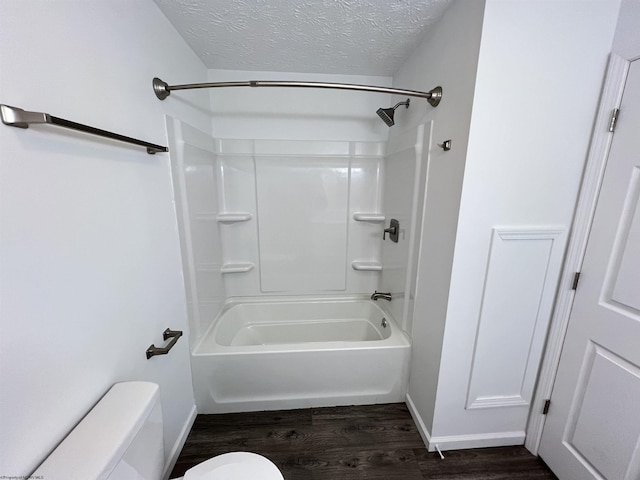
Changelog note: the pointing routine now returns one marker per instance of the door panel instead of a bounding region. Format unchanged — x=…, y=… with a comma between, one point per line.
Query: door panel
x=593, y=427
x=608, y=391
x=624, y=275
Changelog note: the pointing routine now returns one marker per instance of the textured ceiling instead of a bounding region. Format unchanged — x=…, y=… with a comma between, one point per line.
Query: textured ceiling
x=358, y=37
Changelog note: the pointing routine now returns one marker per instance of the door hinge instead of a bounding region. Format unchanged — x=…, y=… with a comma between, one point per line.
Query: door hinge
x=576, y=279
x=547, y=404
x=614, y=119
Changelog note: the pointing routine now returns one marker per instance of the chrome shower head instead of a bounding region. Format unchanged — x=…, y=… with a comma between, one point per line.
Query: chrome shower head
x=386, y=114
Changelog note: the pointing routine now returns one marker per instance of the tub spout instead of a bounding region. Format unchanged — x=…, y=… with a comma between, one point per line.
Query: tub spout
x=376, y=295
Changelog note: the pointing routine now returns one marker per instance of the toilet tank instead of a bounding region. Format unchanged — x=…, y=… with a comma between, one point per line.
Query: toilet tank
x=119, y=439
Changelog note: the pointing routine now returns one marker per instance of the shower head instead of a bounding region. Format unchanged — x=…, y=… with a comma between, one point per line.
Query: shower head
x=386, y=114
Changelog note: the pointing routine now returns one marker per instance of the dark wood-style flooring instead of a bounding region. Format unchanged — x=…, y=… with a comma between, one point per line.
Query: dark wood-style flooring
x=345, y=443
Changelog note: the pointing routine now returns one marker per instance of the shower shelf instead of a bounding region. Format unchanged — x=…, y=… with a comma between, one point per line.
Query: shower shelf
x=236, y=267
x=369, y=266
x=233, y=217
x=368, y=217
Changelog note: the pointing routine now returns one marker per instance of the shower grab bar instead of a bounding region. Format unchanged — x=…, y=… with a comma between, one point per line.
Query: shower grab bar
x=17, y=117
x=163, y=90
x=174, y=335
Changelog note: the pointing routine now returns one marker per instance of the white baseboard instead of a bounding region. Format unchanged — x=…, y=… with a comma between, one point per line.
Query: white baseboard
x=422, y=428
x=459, y=442
x=177, y=446
x=482, y=440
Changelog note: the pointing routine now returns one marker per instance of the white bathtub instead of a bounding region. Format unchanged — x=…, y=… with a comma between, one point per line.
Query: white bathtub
x=278, y=354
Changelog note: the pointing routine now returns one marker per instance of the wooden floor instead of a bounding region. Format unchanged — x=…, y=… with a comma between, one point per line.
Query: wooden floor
x=344, y=443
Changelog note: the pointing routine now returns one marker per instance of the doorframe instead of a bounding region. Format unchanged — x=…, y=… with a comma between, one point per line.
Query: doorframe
x=593, y=173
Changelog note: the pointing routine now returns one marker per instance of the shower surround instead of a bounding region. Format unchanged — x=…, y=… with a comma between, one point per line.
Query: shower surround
x=300, y=221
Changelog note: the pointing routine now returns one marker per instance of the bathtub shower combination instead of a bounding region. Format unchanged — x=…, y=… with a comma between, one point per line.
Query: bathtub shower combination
x=283, y=243
x=283, y=353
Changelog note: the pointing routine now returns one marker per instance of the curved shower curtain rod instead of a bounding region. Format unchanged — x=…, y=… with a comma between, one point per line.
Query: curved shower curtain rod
x=163, y=90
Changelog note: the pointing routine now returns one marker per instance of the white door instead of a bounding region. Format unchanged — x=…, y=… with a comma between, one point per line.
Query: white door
x=593, y=426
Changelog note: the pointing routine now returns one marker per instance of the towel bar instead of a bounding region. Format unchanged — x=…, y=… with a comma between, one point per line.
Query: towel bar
x=17, y=117
x=174, y=335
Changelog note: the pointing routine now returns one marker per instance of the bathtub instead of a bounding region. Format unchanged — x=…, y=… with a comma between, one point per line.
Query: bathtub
x=282, y=353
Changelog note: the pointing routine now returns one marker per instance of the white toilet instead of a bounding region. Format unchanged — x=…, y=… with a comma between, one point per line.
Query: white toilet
x=121, y=439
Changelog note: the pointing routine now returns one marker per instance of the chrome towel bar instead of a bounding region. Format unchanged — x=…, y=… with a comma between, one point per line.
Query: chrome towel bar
x=174, y=335
x=17, y=117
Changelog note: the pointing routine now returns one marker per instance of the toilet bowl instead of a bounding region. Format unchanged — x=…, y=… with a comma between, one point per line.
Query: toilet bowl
x=234, y=466
x=121, y=439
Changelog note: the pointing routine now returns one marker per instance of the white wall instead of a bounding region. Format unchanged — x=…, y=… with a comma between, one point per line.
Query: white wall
x=540, y=72
x=626, y=42
x=91, y=272
x=447, y=57
x=297, y=113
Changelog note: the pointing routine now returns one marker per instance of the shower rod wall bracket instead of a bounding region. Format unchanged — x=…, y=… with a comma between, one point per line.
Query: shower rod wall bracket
x=436, y=96
x=163, y=90
x=160, y=88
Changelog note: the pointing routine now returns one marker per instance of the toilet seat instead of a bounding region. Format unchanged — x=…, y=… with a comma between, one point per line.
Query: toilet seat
x=235, y=466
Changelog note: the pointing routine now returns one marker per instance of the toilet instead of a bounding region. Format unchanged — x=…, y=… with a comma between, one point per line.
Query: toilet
x=121, y=439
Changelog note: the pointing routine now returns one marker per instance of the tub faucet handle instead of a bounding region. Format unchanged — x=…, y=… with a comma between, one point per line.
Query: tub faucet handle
x=390, y=231
x=376, y=295
x=393, y=231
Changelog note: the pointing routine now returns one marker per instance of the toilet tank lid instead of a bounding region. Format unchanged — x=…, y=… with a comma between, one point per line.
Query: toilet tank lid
x=98, y=442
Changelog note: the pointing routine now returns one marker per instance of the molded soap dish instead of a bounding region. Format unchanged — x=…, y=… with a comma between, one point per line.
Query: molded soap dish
x=366, y=266
x=369, y=217
x=233, y=217
x=236, y=267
